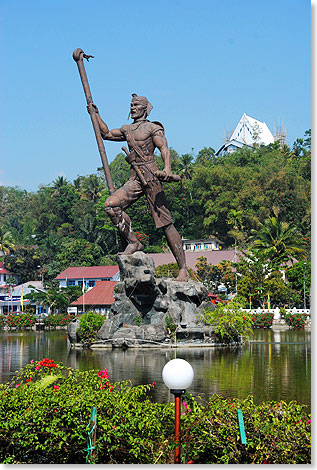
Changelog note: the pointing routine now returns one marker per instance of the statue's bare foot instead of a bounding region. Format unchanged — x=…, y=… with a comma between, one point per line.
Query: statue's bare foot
x=132, y=248
x=183, y=275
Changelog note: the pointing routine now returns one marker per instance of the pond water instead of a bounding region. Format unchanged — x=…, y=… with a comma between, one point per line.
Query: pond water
x=274, y=365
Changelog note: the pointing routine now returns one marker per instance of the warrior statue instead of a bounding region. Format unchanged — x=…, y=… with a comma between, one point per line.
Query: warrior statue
x=142, y=137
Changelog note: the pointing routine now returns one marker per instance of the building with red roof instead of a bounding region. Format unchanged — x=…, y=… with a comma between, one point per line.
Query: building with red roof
x=98, y=299
x=89, y=275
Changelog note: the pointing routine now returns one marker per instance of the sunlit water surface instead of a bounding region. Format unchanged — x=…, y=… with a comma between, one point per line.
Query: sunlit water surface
x=275, y=365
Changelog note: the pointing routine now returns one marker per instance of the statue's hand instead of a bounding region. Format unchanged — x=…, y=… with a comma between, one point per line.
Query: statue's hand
x=92, y=108
x=165, y=175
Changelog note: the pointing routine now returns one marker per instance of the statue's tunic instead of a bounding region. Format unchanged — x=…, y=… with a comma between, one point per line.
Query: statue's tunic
x=132, y=190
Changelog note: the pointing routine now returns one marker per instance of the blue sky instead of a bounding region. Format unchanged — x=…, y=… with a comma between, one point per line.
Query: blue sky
x=201, y=64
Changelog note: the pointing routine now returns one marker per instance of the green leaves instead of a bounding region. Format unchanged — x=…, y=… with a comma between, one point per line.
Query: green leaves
x=230, y=322
x=43, y=425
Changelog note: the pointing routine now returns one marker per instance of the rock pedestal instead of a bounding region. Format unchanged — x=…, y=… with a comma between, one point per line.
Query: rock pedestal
x=152, y=311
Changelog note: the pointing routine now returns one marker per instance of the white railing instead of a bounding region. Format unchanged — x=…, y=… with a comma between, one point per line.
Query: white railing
x=276, y=311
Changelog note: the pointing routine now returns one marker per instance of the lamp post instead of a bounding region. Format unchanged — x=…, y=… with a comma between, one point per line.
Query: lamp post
x=177, y=375
x=304, y=287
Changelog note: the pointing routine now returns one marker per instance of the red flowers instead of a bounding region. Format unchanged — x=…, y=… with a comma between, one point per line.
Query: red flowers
x=56, y=388
x=103, y=374
x=49, y=363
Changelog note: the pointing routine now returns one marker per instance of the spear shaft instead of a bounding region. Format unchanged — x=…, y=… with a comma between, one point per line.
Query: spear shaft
x=78, y=56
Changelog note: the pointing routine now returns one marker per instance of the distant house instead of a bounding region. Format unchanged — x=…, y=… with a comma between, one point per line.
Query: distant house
x=98, y=299
x=202, y=244
x=4, y=275
x=89, y=275
x=248, y=132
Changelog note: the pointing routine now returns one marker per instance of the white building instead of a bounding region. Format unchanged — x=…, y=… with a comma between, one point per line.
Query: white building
x=202, y=244
x=248, y=132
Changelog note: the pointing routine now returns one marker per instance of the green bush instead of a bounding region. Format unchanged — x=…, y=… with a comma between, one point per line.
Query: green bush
x=230, y=322
x=296, y=320
x=89, y=324
x=262, y=320
x=45, y=411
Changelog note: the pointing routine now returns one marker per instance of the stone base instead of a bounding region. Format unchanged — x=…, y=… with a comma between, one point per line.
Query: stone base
x=149, y=310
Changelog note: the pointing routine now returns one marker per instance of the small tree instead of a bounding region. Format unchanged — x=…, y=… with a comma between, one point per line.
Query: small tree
x=230, y=322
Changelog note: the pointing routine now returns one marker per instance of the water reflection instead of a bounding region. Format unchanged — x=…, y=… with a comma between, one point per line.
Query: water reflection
x=274, y=366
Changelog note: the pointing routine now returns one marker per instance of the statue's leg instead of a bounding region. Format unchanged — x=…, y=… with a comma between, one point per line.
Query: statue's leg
x=175, y=243
x=121, y=220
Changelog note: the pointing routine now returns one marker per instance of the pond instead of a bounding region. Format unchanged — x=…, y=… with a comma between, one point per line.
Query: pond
x=274, y=365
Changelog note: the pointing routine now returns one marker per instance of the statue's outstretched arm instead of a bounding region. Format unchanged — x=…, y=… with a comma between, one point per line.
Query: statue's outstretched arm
x=113, y=134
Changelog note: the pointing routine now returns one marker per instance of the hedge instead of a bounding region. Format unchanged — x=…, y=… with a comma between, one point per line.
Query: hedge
x=46, y=408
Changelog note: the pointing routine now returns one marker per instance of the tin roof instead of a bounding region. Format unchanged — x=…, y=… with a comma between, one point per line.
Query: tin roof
x=88, y=272
x=213, y=257
x=101, y=294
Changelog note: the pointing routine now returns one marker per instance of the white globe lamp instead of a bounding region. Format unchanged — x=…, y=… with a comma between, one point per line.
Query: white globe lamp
x=177, y=375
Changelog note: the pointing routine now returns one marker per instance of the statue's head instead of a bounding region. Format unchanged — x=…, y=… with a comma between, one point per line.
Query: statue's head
x=140, y=106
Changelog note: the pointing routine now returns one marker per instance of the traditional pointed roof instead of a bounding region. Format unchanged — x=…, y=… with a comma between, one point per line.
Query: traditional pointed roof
x=247, y=130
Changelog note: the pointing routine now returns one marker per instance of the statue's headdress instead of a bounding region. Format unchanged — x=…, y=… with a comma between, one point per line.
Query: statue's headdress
x=144, y=101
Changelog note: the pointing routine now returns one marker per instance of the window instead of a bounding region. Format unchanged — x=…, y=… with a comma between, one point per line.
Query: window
x=70, y=282
x=91, y=283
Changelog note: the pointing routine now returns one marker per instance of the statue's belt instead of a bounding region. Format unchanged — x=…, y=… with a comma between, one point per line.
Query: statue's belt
x=144, y=163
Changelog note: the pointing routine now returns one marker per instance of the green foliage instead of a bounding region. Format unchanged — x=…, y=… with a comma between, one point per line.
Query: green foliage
x=170, y=326
x=171, y=270
x=262, y=320
x=45, y=411
x=89, y=324
x=296, y=320
x=56, y=298
x=230, y=322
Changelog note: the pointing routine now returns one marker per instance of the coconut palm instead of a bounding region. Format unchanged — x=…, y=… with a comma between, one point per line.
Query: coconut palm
x=92, y=188
x=278, y=239
x=6, y=241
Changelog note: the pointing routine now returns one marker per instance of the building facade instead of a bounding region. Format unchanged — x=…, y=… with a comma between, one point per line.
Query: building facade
x=88, y=275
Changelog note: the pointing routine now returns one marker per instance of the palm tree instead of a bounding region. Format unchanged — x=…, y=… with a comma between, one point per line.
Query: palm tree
x=92, y=188
x=186, y=166
x=6, y=241
x=58, y=184
x=278, y=239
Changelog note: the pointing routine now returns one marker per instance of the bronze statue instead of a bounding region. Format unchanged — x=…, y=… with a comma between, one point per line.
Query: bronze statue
x=142, y=137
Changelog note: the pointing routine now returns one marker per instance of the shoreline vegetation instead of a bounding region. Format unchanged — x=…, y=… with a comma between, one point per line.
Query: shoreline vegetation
x=46, y=407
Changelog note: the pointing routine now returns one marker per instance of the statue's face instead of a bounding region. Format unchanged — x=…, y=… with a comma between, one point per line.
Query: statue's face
x=137, y=110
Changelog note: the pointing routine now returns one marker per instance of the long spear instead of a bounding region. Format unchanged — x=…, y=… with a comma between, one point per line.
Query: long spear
x=78, y=56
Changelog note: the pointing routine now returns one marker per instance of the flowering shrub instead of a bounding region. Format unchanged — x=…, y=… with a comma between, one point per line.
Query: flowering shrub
x=296, y=320
x=20, y=320
x=142, y=237
x=45, y=410
x=262, y=320
x=58, y=319
x=2, y=321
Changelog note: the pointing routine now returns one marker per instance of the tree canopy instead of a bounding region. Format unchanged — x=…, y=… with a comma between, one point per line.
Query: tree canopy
x=233, y=197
